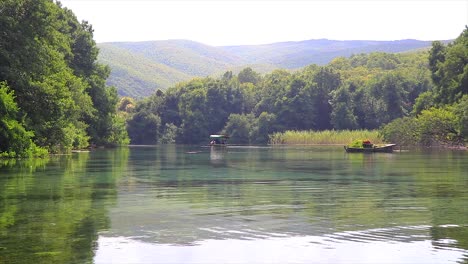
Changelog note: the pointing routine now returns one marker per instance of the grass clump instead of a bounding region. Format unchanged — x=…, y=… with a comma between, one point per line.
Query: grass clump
x=325, y=137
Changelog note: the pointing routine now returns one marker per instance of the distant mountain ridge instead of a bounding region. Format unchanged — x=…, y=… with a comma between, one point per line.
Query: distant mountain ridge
x=140, y=68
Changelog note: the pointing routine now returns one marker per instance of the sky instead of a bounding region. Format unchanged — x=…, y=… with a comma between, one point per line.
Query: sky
x=251, y=22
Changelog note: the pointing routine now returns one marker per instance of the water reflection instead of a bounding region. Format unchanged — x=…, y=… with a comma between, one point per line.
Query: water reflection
x=51, y=209
x=188, y=204
x=217, y=156
x=321, y=199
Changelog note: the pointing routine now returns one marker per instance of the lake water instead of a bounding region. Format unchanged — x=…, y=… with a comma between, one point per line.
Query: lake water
x=190, y=204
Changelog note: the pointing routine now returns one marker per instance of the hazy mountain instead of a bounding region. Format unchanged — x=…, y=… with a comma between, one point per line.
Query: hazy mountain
x=139, y=68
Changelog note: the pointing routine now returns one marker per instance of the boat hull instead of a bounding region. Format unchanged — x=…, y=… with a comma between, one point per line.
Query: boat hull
x=218, y=145
x=386, y=149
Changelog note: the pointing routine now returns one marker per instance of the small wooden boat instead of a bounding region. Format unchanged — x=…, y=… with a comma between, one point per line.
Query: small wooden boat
x=367, y=147
x=388, y=148
x=219, y=140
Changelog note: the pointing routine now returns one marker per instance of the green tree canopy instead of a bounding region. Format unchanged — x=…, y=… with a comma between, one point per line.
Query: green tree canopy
x=449, y=68
x=48, y=59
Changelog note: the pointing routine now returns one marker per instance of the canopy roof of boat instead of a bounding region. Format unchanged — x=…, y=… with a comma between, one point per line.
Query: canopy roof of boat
x=219, y=136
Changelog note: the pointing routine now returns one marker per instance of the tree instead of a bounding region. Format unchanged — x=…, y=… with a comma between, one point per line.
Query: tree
x=192, y=111
x=272, y=90
x=461, y=110
x=238, y=128
x=423, y=102
x=295, y=110
x=342, y=116
x=169, y=134
x=391, y=88
x=48, y=59
x=439, y=126
x=248, y=75
x=433, y=127
x=325, y=80
x=15, y=140
x=402, y=131
x=436, y=59
x=449, y=68
x=264, y=126
x=36, y=69
x=143, y=128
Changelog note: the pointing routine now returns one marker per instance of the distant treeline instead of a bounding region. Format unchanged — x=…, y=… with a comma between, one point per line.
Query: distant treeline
x=138, y=68
x=365, y=91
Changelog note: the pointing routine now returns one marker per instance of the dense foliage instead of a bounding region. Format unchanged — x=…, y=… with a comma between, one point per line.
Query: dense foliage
x=440, y=115
x=51, y=81
x=364, y=91
x=420, y=95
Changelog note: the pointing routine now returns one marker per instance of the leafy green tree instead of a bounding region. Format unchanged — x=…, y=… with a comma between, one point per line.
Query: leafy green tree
x=221, y=101
x=227, y=76
x=342, y=116
x=391, y=88
x=402, y=131
x=449, y=67
x=248, y=75
x=381, y=60
x=15, y=140
x=170, y=109
x=461, y=110
x=324, y=81
x=49, y=60
x=250, y=96
x=272, y=90
x=192, y=111
x=261, y=129
x=433, y=127
x=423, y=102
x=436, y=59
x=104, y=99
x=143, y=128
x=296, y=109
x=439, y=126
x=36, y=69
x=118, y=134
x=169, y=134
x=238, y=128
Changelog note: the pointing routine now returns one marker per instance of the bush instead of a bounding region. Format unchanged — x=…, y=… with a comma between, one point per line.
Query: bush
x=15, y=140
x=435, y=126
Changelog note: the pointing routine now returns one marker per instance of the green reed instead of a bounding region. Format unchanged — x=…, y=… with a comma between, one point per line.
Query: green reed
x=325, y=137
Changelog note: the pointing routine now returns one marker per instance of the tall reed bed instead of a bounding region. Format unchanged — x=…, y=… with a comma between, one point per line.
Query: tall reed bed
x=326, y=137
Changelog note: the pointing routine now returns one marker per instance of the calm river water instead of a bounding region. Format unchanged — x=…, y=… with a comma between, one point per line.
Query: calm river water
x=190, y=204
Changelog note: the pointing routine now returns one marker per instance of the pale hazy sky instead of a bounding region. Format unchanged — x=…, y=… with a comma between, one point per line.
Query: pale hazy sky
x=225, y=22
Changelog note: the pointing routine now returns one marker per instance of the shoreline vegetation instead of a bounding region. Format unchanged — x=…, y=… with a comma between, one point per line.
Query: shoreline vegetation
x=326, y=137
x=54, y=98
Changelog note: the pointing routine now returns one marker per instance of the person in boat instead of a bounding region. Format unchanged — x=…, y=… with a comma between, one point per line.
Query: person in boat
x=218, y=139
x=367, y=144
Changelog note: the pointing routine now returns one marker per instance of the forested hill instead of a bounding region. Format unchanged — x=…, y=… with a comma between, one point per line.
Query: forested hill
x=413, y=98
x=140, y=68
